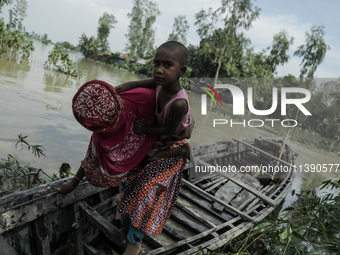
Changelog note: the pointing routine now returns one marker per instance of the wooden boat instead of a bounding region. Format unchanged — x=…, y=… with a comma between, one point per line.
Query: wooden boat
x=212, y=208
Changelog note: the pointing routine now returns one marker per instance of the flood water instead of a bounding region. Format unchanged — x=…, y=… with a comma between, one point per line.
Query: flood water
x=36, y=102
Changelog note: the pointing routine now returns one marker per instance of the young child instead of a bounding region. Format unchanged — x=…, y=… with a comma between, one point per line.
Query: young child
x=172, y=103
x=151, y=191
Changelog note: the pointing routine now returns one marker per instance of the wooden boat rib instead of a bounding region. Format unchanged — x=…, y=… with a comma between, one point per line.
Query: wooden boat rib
x=212, y=208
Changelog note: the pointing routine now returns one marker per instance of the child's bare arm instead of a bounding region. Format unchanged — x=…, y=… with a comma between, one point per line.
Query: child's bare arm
x=147, y=83
x=178, y=108
x=186, y=133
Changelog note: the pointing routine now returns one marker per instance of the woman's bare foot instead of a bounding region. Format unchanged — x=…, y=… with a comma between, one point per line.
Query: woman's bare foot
x=68, y=186
x=132, y=249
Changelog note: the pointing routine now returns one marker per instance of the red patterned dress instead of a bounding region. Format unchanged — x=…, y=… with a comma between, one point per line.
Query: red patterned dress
x=151, y=192
x=115, y=147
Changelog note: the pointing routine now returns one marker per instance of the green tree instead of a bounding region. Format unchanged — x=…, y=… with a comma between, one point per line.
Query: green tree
x=103, y=34
x=89, y=46
x=279, y=50
x=106, y=22
x=45, y=38
x=3, y=2
x=141, y=34
x=110, y=19
x=313, y=52
x=19, y=13
x=179, y=30
x=234, y=15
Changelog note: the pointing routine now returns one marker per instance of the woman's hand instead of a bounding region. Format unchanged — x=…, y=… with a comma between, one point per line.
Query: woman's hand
x=68, y=186
x=140, y=126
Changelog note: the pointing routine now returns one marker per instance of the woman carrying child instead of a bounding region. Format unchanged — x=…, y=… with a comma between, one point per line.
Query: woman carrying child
x=118, y=145
x=152, y=190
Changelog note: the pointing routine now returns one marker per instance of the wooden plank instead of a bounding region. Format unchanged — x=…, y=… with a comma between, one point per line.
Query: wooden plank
x=229, y=190
x=110, y=231
x=106, y=249
x=216, y=185
x=245, y=186
x=12, y=199
x=245, y=203
x=223, y=239
x=204, y=186
x=177, y=217
x=77, y=233
x=5, y=248
x=172, y=232
x=152, y=241
x=244, y=195
x=266, y=153
x=33, y=209
x=92, y=251
x=41, y=236
x=202, y=196
x=197, y=180
x=195, y=215
x=192, y=239
x=90, y=235
x=196, y=202
x=240, y=213
x=108, y=203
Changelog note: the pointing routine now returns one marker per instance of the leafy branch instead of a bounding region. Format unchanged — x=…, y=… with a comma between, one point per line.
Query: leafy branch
x=60, y=59
x=16, y=176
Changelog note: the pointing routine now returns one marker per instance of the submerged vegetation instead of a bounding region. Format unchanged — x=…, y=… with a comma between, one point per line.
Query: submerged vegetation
x=60, y=59
x=13, y=42
x=310, y=226
x=15, y=176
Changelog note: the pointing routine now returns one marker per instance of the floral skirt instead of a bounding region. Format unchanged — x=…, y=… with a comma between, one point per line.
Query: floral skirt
x=151, y=192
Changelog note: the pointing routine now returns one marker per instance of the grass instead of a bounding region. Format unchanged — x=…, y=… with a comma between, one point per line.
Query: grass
x=311, y=226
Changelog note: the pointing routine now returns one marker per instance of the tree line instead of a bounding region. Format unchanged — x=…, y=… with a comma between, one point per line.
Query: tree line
x=224, y=51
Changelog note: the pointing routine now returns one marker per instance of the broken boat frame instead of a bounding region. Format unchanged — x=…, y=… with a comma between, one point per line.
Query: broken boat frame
x=212, y=208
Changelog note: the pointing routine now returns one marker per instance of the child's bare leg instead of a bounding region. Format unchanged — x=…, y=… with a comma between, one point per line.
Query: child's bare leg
x=135, y=237
x=70, y=185
x=132, y=249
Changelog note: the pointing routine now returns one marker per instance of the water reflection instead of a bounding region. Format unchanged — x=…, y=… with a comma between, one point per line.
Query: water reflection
x=12, y=72
x=54, y=81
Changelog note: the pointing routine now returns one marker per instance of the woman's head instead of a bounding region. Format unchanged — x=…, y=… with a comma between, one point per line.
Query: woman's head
x=96, y=106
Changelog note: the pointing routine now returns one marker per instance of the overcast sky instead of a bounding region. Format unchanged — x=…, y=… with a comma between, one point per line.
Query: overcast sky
x=66, y=20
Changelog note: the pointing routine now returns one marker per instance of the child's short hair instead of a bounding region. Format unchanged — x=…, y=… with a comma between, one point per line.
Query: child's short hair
x=182, y=51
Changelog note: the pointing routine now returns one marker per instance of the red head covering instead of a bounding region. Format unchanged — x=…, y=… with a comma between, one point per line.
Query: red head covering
x=96, y=106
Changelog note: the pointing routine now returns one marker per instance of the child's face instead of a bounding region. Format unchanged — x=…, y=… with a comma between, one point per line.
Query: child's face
x=167, y=68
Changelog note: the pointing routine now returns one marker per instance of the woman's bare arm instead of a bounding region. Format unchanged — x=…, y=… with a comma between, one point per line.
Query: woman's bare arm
x=147, y=83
